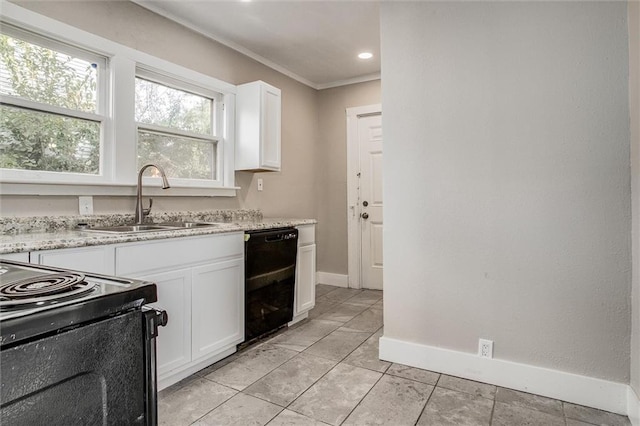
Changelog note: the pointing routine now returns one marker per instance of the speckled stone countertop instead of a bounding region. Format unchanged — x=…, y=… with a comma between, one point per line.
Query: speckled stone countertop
x=20, y=234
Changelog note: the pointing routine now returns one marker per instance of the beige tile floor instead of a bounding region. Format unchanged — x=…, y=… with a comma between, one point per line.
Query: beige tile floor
x=326, y=371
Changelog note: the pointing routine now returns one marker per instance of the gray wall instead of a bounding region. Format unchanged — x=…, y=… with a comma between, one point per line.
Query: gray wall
x=507, y=196
x=634, y=103
x=332, y=181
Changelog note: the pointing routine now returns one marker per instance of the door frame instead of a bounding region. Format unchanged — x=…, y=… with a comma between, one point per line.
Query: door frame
x=354, y=249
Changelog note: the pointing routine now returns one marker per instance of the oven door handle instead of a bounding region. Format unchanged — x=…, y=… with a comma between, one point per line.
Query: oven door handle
x=152, y=319
x=156, y=318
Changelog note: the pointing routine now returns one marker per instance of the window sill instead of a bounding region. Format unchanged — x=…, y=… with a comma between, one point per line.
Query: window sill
x=125, y=190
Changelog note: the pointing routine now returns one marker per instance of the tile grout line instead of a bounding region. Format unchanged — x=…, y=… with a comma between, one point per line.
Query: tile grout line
x=207, y=413
x=276, y=415
x=428, y=399
x=310, y=386
x=363, y=398
x=332, y=368
x=347, y=355
x=338, y=363
x=277, y=366
x=305, y=389
x=493, y=409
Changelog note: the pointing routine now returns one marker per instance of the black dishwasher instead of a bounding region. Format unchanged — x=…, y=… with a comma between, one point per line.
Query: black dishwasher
x=270, y=270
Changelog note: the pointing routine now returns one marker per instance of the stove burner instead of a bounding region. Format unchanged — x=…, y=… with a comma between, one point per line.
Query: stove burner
x=42, y=289
x=40, y=286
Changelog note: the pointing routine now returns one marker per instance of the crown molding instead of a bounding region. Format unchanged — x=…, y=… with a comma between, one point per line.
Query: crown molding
x=249, y=53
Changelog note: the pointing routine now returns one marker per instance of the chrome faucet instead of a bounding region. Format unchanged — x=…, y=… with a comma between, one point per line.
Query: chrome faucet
x=140, y=211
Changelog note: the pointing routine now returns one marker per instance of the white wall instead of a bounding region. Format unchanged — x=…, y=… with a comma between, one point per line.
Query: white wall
x=507, y=194
x=634, y=104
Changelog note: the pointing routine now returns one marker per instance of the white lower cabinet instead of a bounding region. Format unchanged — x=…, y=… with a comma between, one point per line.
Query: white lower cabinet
x=174, y=339
x=306, y=279
x=200, y=284
x=305, y=292
x=217, y=307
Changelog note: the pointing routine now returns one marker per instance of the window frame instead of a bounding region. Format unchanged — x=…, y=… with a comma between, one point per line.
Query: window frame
x=119, y=129
x=100, y=115
x=217, y=123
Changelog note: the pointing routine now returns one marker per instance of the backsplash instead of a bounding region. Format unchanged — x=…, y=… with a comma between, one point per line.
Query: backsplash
x=19, y=224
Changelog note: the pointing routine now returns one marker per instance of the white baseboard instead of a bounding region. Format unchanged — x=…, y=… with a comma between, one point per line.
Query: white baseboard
x=337, y=280
x=582, y=390
x=633, y=406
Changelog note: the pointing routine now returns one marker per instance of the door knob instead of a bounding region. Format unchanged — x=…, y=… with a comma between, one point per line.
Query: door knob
x=365, y=203
x=365, y=215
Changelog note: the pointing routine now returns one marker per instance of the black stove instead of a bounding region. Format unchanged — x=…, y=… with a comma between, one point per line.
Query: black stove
x=68, y=335
x=36, y=299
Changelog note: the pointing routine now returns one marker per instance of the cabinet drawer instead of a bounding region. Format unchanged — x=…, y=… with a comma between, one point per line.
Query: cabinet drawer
x=19, y=257
x=96, y=259
x=177, y=252
x=306, y=234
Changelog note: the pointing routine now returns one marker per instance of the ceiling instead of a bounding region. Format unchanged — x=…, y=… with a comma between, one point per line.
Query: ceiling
x=314, y=42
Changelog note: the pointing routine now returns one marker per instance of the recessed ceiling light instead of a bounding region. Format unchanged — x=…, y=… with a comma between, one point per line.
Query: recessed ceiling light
x=365, y=55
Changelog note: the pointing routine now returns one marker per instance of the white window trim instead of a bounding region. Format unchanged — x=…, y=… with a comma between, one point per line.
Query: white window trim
x=217, y=125
x=119, y=169
x=200, y=183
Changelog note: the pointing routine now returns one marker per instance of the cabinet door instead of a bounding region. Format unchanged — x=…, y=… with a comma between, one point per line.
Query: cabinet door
x=174, y=339
x=270, y=147
x=258, y=127
x=305, y=279
x=218, y=307
x=97, y=259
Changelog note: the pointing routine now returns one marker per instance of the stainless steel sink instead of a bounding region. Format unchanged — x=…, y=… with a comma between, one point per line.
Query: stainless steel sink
x=155, y=227
x=124, y=229
x=188, y=224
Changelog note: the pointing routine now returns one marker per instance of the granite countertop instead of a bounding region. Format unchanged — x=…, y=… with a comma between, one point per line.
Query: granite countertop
x=21, y=234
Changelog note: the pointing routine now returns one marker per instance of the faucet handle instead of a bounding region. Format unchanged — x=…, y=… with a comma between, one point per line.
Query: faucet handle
x=145, y=212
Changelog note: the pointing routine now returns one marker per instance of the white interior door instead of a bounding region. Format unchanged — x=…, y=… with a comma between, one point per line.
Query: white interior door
x=370, y=142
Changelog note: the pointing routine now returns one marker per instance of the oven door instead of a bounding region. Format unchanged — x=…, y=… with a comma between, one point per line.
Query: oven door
x=92, y=374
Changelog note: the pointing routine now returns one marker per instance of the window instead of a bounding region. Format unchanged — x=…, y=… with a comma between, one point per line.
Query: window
x=176, y=128
x=50, y=109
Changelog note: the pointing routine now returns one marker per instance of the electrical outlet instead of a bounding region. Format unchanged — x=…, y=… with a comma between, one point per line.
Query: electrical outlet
x=260, y=185
x=85, y=205
x=485, y=348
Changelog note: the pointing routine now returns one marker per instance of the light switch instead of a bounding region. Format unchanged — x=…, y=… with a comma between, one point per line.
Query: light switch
x=260, y=185
x=85, y=205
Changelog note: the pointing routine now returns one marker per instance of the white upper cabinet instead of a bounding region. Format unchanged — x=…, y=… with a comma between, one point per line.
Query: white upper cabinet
x=258, y=115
